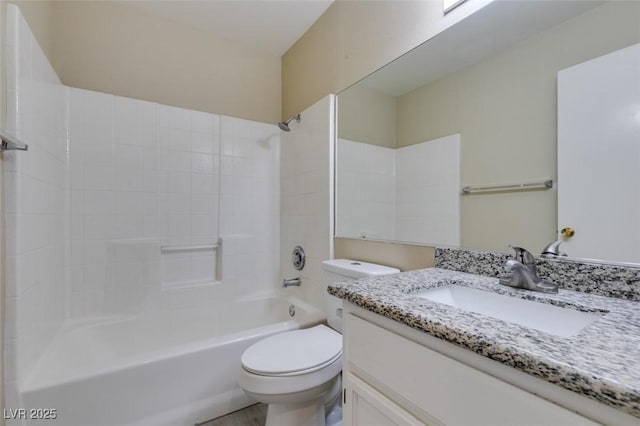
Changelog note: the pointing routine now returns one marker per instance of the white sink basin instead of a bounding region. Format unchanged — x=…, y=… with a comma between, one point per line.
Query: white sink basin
x=563, y=322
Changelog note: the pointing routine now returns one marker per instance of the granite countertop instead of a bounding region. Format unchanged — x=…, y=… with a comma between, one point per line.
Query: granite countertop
x=602, y=362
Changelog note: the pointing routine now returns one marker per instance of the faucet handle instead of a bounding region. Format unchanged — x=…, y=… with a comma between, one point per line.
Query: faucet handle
x=525, y=257
x=511, y=264
x=553, y=249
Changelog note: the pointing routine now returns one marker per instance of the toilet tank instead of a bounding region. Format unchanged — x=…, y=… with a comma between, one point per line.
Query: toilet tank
x=337, y=270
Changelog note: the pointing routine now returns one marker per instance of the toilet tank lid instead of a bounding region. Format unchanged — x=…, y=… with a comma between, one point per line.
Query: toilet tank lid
x=356, y=268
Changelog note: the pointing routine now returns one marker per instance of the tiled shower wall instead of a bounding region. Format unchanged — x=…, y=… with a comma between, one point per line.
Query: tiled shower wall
x=146, y=176
x=307, y=198
x=36, y=204
x=250, y=205
x=109, y=180
x=114, y=199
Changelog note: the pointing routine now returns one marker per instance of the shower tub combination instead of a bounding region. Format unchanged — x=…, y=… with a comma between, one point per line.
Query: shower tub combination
x=97, y=251
x=175, y=367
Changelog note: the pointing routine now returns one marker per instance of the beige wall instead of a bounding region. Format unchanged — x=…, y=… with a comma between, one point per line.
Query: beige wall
x=39, y=15
x=110, y=47
x=365, y=115
x=405, y=257
x=354, y=38
x=505, y=110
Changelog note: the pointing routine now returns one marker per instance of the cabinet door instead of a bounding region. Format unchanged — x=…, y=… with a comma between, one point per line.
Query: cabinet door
x=433, y=386
x=364, y=406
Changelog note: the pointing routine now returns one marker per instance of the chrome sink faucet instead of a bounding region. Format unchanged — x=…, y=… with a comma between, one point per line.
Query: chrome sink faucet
x=524, y=275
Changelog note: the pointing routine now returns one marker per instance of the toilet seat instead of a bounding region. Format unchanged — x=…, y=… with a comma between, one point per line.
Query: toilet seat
x=300, y=361
x=293, y=353
x=266, y=388
x=298, y=372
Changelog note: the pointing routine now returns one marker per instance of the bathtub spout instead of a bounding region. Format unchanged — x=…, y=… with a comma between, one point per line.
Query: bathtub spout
x=291, y=282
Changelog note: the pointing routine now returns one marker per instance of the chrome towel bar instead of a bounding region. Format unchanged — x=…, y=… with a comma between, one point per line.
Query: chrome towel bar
x=525, y=186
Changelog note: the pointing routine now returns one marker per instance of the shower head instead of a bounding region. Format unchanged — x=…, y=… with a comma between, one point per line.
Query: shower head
x=284, y=125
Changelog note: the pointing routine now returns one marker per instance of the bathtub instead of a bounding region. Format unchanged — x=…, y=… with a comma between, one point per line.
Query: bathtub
x=174, y=367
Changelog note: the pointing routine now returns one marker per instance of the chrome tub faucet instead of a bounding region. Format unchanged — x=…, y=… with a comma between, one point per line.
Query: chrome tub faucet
x=291, y=282
x=524, y=274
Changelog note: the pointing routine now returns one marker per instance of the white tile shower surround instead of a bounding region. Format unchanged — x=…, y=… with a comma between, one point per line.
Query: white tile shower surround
x=307, y=199
x=36, y=204
x=105, y=182
x=159, y=175
x=410, y=193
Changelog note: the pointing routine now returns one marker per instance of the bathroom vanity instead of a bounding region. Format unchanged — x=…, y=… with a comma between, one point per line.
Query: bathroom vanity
x=411, y=360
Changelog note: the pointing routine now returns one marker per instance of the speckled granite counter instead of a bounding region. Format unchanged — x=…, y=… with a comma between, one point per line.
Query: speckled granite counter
x=601, y=362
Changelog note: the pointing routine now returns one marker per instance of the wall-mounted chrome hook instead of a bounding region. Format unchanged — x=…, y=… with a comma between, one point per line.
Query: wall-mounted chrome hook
x=9, y=143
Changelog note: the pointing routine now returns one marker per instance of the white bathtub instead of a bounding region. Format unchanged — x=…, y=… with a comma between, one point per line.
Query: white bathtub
x=165, y=368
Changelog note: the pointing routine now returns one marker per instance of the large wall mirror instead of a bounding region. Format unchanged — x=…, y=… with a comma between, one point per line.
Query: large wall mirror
x=477, y=106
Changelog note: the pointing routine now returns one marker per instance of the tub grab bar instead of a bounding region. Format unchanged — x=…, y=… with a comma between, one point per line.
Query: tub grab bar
x=172, y=248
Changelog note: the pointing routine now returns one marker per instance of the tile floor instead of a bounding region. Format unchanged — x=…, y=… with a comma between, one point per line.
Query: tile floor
x=254, y=415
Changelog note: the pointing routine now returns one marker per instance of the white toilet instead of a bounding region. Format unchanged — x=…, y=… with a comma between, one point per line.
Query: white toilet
x=298, y=372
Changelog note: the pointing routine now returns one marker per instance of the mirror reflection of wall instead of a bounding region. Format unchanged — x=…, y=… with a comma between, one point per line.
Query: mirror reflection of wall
x=503, y=107
x=406, y=194
x=409, y=193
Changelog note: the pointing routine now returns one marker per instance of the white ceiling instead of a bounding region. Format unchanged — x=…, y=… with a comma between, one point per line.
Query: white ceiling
x=270, y=26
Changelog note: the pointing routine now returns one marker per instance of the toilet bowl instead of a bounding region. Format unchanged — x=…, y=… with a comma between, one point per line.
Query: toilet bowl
x=298, y=372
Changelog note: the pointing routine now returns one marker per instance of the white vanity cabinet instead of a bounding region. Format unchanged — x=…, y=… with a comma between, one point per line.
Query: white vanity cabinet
x=369, y=407
x=390, y=379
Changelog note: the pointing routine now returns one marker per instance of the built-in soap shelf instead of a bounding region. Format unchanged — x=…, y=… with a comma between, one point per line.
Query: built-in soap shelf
x=191, y=265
